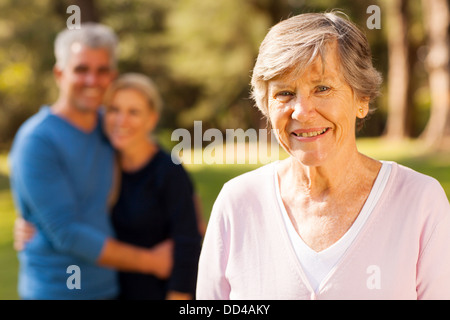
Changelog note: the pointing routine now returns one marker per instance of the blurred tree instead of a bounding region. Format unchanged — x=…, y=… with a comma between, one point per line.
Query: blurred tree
x=214, y=47
x=399, y=69
x=27, y=29
x=437, y=17
x=89, y=10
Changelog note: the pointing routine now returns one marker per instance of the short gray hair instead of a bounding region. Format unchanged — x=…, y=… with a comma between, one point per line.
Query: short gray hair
x=293, y=44
x=92, y=35
x=140, y=83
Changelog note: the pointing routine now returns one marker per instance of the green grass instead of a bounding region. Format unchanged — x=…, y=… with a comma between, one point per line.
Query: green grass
x=413, y=154
x=8, y=258
x=209, y=179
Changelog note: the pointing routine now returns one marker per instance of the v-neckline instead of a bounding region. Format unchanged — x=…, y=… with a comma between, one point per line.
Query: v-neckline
x=286, y=238
x=78, y=130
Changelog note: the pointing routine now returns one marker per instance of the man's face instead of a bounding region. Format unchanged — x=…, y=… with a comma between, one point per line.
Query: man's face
x=85, y=78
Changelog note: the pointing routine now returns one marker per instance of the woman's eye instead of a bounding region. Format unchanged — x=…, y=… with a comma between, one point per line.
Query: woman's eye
x=322, y=88
x=284, y=95
x=111, y=110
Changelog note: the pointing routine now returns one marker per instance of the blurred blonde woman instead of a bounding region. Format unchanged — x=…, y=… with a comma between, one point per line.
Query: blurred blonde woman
x=156, y=197
x=327, y=222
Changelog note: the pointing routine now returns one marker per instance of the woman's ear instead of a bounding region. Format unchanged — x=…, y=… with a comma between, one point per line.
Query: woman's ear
x=363, y=108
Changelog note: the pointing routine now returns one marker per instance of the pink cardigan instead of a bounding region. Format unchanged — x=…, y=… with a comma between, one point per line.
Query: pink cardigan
x=402, y=251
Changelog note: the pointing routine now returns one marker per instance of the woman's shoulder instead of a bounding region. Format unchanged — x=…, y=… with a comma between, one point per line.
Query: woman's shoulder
x=411, y=186
x=252, y=178
x=407, y=176
x=248, y=196
x=253, y=185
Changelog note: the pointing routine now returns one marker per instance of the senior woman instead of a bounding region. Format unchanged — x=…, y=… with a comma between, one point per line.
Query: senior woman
x=327, y=222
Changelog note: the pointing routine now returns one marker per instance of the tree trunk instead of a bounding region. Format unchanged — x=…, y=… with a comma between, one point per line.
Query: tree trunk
x=89, y=11
x=436, y=16
x=398, y=74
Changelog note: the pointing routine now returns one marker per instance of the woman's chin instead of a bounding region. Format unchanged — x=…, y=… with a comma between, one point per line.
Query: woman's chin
x=310, y=159
x=118, y=144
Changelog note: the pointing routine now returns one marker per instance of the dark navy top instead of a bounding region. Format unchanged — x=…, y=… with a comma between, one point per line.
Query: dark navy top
x=156, y=203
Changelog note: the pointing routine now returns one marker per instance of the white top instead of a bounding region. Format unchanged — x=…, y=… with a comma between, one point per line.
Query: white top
x=317, y=265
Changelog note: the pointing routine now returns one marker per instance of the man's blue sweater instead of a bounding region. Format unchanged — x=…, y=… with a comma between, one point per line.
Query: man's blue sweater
x=61, y=178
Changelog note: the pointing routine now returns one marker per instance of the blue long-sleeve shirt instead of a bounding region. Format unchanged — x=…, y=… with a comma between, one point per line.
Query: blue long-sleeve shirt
x=60, y=179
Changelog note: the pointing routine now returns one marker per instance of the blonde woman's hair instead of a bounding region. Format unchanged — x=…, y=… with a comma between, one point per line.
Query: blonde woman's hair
x=139, y=82
x=293, y=44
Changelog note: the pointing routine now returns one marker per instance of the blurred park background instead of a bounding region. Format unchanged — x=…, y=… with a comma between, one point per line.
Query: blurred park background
x=201, y=53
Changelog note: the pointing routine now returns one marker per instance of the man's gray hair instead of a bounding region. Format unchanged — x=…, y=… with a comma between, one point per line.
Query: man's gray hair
x=92, y=35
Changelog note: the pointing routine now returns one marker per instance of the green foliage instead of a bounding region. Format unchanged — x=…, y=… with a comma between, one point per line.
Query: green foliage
x=215, y=44
x=26, y=41
x=200, y=53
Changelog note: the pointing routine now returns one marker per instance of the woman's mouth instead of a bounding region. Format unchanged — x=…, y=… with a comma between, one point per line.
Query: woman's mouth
x=309, y=133
x=119, y=133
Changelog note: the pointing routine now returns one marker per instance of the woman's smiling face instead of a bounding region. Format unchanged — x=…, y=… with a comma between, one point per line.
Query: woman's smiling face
x=314, y=114
x=129, y=119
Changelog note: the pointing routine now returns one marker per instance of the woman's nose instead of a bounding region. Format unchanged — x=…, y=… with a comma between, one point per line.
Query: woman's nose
x=303, y=108
x=121, y=118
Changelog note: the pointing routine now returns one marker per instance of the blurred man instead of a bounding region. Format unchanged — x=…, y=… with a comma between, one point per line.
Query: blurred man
x=62, y=175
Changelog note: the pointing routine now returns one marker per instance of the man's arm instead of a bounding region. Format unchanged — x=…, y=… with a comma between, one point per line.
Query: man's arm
x=41, y=182
x=157, y=260
x=125, y=257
